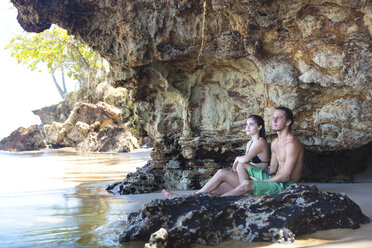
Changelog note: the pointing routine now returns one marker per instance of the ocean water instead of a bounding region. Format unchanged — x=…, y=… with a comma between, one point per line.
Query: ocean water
x=57, y=198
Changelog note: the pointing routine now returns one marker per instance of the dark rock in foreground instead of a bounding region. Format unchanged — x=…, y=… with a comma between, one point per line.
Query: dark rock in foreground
x=148, y=179
x=144, y=180
x=23, y=139
x=208, y=219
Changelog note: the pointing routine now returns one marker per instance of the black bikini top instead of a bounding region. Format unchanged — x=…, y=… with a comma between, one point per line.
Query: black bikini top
x=255, y=159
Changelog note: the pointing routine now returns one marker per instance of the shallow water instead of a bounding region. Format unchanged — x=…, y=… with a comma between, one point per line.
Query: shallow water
x=57, y=198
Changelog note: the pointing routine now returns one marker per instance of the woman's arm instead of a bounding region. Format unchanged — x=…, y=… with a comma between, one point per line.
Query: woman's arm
x=255, y=149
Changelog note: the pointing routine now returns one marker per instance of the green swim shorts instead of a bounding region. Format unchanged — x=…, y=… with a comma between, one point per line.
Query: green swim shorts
x=264, y=187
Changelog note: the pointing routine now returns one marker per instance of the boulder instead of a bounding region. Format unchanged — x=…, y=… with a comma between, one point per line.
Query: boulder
x=144, y=180
x=109, y=139
x=24, y=139
x=57, y=112
x=148, y=179
x=207, y=219
x=92, y=128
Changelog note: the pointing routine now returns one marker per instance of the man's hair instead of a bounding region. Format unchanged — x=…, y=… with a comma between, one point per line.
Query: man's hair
x=288, y=114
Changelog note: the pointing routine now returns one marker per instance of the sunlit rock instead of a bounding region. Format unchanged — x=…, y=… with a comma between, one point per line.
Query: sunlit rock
x=109, y=139
x=23, y=139
x=92, y=127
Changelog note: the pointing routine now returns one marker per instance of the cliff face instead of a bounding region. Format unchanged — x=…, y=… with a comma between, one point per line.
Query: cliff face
x=197, y=69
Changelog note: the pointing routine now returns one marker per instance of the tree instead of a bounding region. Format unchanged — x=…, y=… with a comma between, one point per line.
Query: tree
x=57, y=50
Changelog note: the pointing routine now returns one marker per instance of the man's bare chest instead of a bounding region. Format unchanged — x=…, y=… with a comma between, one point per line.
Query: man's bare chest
x=280, y=152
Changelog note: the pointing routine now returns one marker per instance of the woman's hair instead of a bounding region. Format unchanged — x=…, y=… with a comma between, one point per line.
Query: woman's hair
x=260, y=122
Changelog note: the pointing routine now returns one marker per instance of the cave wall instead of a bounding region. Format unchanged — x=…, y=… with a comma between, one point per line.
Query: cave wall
x=197, y=69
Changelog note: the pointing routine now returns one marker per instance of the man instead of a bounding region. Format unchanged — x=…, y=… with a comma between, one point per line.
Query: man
x=286, y=161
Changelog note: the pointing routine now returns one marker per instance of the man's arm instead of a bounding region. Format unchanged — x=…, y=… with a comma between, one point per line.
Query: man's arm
x=273, y=160
x=292, y=151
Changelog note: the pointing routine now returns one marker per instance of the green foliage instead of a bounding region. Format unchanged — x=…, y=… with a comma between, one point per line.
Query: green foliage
x=55, y=49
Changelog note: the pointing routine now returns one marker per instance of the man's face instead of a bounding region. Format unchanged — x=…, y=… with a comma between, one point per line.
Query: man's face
x=278, y=120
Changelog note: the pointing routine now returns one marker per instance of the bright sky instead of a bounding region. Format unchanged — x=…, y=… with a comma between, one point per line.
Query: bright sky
x=21, y=90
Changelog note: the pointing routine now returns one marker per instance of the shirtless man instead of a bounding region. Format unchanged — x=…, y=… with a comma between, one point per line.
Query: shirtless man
x=286, y=161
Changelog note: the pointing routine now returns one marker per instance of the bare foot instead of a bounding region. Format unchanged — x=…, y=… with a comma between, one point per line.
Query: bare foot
x=169, y=195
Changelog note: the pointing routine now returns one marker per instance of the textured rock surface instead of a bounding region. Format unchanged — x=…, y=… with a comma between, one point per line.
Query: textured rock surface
x=158, y=239
x=209, y=220
x=56, y=113
x=92, y=127
x=197, y=69
x=139, y=182
x=109, y=139
x=23, y=139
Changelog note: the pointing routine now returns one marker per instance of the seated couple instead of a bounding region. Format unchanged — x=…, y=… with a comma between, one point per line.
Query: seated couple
x=254, y=172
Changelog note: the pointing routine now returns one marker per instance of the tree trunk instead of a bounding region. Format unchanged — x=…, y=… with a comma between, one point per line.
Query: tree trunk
x=61, y=92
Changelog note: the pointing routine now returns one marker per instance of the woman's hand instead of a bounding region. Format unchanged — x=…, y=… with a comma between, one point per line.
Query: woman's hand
x=235, y=164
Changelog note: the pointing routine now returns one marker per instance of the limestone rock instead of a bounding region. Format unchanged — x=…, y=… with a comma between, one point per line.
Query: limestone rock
x=109, y=139
x=207, y=219
x=52, y=134
x=56, y=113
x=147, y=180
x=92, y=127
x=140, y=181
x=197, y=69
x=23, y=139
x=158, y=239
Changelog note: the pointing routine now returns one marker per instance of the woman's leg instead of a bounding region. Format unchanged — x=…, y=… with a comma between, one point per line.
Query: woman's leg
x=242, y=170
x=221, y=176
x=222, y=189
x=223, y=181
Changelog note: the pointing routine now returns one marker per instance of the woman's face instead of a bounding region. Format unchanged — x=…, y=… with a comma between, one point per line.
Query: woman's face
x=251, y=128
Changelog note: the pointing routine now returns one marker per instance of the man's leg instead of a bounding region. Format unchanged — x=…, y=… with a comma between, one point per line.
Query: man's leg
x=221, y=176
x=222, y=189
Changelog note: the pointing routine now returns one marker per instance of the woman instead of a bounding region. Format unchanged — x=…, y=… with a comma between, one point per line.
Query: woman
x=257, y=154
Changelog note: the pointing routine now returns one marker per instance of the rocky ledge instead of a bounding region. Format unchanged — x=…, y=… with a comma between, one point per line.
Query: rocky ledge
x=23, y=139
x=92, y=127
x=208, y=219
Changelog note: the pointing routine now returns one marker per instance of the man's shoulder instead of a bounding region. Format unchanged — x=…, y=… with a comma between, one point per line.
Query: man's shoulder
x=274, y=141
x=297, y=141
x=294, y=143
